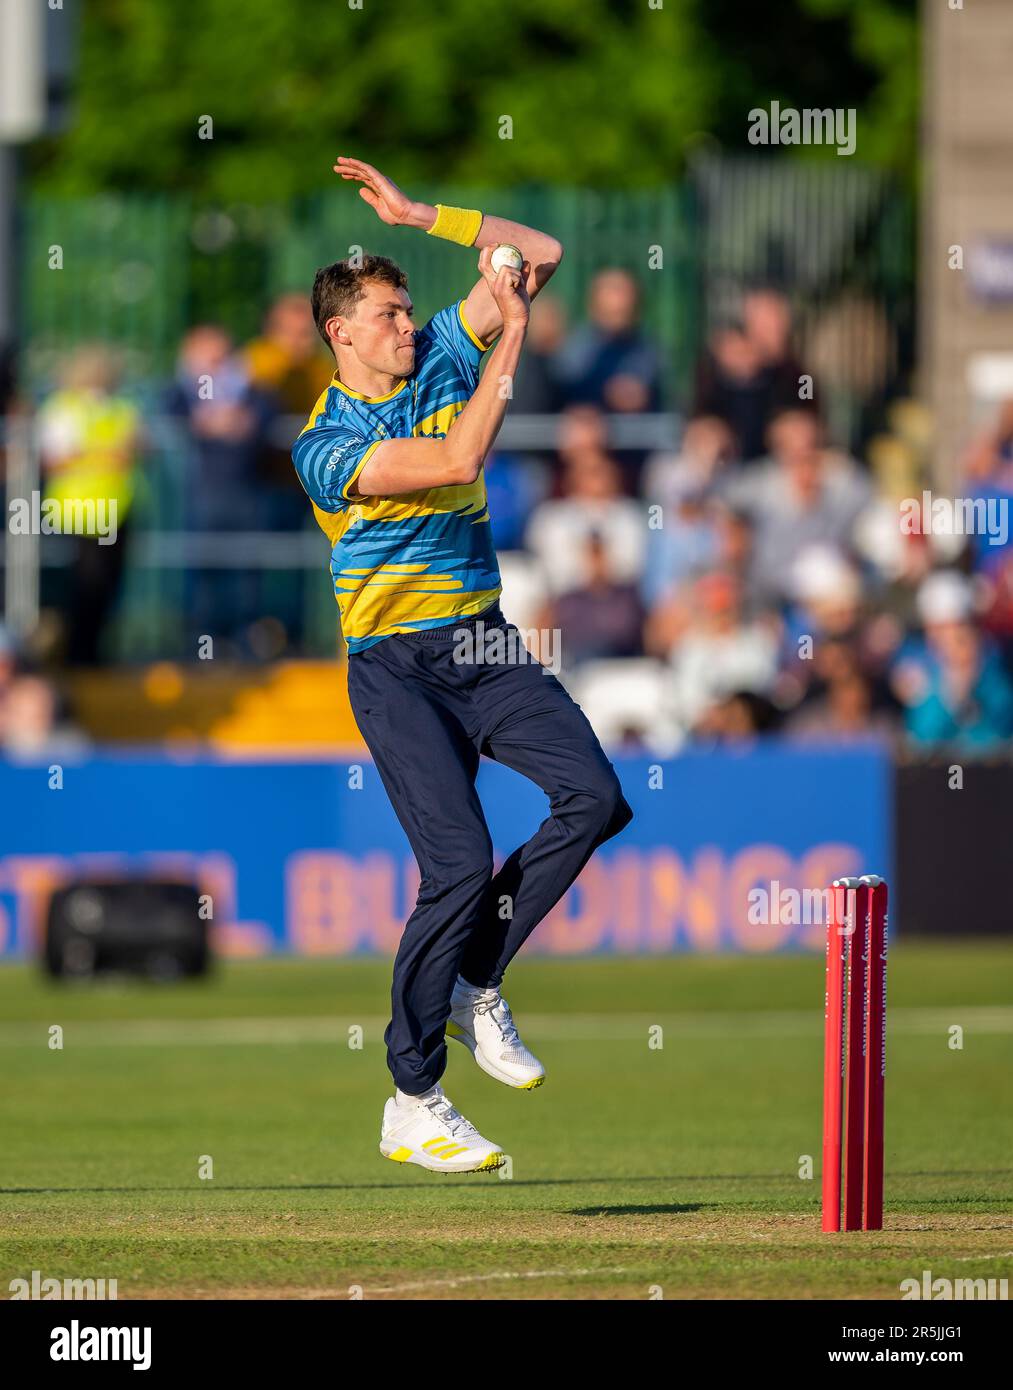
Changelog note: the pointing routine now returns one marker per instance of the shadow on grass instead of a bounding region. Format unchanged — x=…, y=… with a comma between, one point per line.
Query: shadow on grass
x=668, y=1209
x=611, y=1179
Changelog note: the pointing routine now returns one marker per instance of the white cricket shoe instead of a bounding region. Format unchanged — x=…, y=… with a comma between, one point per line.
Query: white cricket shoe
x=481, y=1020
x=427, y=1130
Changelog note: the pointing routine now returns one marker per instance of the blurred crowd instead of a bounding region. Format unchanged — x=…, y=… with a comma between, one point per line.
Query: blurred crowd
x=756, y=578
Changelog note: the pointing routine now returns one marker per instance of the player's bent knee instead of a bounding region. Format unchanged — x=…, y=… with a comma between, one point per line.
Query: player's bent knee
x=620, y=813
x=621, y=816
x=611, y=811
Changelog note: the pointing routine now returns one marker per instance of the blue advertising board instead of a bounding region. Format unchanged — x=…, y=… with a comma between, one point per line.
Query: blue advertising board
x=724, y=852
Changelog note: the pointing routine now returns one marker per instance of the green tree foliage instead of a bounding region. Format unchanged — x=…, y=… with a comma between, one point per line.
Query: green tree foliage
x=884, y=38
x=609, y=93
x=820, y=53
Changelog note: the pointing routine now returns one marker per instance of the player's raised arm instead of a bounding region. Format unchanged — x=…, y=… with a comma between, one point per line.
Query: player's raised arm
x=407, y=465
x=464, y=226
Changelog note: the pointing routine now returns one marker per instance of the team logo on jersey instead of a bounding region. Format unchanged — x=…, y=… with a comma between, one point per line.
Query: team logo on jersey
x=339, y=453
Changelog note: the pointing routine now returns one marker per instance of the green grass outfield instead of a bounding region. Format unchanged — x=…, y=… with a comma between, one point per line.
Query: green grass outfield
x=632, y=1168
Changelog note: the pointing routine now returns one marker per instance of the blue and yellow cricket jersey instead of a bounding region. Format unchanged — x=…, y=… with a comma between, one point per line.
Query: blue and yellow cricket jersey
x=421, y=559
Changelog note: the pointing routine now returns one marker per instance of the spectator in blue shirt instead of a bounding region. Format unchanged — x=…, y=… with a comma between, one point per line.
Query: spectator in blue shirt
x=955, y=686
x=610, y=362
x=968, y=700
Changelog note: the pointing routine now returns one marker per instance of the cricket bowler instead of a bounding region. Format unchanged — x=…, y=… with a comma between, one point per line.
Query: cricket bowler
x=392, y=460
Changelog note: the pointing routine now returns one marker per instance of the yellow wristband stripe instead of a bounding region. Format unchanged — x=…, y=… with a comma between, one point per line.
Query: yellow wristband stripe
x=456, y=224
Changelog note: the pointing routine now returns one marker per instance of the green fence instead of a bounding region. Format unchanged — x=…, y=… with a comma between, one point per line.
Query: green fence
x=136, y=270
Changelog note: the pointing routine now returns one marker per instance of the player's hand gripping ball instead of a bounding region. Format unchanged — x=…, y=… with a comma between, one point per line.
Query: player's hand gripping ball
x=505, y=254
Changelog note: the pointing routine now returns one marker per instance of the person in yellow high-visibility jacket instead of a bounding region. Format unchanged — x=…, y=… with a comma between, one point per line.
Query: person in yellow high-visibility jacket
x=89, y=437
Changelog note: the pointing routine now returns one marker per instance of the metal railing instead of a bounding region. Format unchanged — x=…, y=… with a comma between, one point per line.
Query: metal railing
x=140, y=268
x=163, y=552
x=21, y=552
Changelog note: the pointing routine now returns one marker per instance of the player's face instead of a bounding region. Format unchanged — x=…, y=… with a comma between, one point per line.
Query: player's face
x=382, y=330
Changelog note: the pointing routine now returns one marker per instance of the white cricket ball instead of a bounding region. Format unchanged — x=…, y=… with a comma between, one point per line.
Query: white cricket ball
x=505, y=254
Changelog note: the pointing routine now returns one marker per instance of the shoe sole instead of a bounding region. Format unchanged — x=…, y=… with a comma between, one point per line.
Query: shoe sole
x=461, y=1035
x=402, y=1154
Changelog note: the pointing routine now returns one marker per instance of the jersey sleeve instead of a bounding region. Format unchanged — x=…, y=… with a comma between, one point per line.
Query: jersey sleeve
x=328, y=460
x=450, y=333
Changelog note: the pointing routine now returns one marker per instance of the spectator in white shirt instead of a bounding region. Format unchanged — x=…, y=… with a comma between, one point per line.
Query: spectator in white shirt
x=803, y=495
x=721, y=654
x=592, y=501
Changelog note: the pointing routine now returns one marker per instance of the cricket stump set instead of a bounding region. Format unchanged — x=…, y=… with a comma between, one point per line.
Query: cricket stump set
x=854, y=1057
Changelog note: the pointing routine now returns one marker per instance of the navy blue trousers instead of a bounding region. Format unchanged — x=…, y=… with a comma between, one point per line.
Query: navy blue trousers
x=427, y=713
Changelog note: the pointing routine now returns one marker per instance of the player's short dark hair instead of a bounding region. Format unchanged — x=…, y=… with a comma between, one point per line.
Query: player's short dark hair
x=338, y=288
